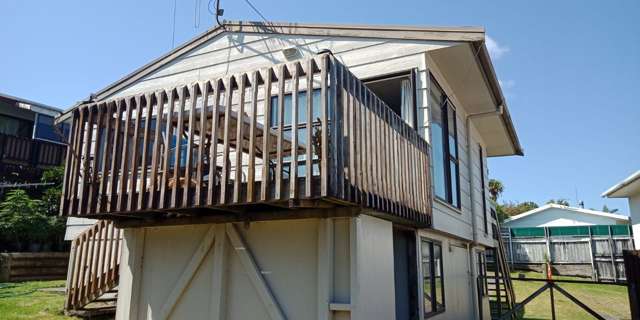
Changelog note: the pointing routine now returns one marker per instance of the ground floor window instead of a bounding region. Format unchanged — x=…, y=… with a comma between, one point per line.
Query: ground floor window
x=433, y=278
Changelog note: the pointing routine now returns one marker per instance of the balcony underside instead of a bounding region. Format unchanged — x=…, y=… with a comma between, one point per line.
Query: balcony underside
x=202, y=153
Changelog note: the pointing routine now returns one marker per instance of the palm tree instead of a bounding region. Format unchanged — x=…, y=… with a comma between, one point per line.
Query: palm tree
x=495, y=189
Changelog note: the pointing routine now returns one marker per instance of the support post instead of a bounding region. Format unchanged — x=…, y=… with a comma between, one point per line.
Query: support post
x=612, y=253
x=594, y=270
x=553, y=304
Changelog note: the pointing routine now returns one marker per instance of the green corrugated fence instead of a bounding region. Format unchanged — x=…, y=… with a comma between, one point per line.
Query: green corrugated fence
x=597, y=230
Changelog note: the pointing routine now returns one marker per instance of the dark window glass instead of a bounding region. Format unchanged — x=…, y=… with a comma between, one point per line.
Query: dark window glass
x=433, y=277
x=397, y=92
x=16, y=127
x=302, y=129
x=483, y=188
x=444, y=142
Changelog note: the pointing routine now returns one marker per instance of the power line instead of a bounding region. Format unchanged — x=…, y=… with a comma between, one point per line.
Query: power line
x=256, y=10
x=196, y=15
x=173, y=36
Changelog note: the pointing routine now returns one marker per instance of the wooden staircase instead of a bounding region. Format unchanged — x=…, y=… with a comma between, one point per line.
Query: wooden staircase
x=93, y=273
x=501, y=295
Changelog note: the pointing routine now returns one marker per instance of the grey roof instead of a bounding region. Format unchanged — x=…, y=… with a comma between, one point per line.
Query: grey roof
x=27, y=101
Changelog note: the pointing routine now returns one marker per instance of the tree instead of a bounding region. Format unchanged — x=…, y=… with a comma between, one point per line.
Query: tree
x=510, y=209
x=562, y=202
x=495, y=189
x=606, y=209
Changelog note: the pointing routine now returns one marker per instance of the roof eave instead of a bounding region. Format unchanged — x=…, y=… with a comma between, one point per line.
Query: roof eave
x=494, y=85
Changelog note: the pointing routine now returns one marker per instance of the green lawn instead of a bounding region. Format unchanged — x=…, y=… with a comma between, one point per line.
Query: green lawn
x=611, y=301
x=28, y=300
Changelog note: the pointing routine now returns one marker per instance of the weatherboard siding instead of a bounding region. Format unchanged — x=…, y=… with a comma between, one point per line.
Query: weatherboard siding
x=459, y=221
x=232, y=53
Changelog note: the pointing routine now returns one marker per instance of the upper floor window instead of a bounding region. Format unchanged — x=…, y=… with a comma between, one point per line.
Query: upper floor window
x=46, y=130
x=398, y=92
x=444, y=142
x=15, y=126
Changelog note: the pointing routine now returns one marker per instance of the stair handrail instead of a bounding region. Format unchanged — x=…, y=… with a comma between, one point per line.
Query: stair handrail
x=94, y=264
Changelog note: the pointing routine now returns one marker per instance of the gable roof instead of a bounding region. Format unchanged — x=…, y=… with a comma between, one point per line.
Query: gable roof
x=625, y=188
x=473, y=35
x=32, y=105
x=573, y=209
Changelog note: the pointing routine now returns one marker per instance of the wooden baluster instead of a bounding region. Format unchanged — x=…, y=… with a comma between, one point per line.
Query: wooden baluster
x=155, y=153
x=293, y=165
x=279, y=145
x=177, y=163
x=133, y=181
x=149, y=102
x=324, y=113
x=106, y=156
x=67, y=179
x=193, y=93
x=124, y=165
x=213, y=150
x=162, y=202
x=308, y=183
x=227, y=136
x=202, y=132
x=237, y=184
x=251, y=175
x=95, y=155
x=116, y=157
x=86, y=155
x=266, y=137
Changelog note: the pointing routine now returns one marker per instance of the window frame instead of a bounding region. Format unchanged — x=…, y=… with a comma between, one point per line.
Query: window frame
x=412, y=74
x=484, y=190
x=432, y=278
x=447, y=105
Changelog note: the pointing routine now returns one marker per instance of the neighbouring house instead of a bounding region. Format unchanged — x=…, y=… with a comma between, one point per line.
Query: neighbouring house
x=554, y=215
x=629, y=188
x=29, y=141
x=576, y=241
x=292, y=171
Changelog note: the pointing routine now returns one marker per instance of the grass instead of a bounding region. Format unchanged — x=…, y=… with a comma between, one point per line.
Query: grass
x=610, y=301
x=28, y=300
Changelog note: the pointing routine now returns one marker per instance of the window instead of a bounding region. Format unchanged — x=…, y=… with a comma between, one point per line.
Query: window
x=483, y=188
x=302, y=126
x=15, y=126
x=397, y=91
x=46, y=130
x=433, y=278
x=445, y=146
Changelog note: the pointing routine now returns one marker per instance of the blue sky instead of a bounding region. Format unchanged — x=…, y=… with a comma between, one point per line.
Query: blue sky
x=570, y=69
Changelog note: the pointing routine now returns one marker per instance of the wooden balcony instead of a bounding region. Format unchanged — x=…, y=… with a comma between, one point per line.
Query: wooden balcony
x=228, y=148
x=30, y=152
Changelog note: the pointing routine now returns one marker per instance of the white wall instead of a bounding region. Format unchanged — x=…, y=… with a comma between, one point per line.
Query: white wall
x=459, y=221
x=634, y=207
x=553, y=217
x=458, y=285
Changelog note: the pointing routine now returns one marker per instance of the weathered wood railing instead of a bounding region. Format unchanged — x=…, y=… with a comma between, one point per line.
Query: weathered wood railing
x=247, y=140
x=93, y=264
x=28, y=151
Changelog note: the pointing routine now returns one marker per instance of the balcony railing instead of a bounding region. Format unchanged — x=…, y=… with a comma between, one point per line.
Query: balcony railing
x=304, y=134
x=26, y=151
